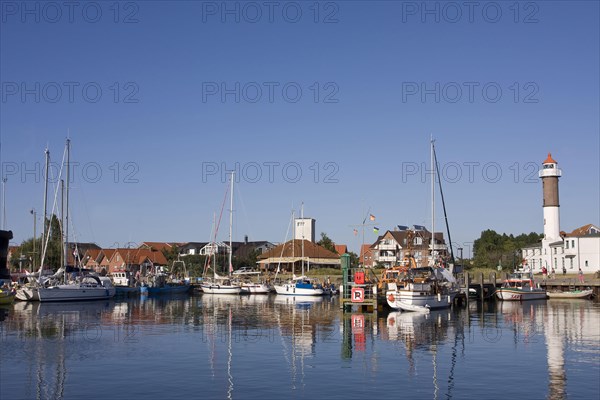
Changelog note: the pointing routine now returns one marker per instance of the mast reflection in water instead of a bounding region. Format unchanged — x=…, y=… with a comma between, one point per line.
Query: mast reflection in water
x=257, y=347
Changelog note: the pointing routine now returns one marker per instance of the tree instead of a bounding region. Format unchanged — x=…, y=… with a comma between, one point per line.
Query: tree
x=326, y=242
x=492, y=248
x=54, y=250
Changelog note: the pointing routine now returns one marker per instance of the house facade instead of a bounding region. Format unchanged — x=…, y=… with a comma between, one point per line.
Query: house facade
x=392, y=247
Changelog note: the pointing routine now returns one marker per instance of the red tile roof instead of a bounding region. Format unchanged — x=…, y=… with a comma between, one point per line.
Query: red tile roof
x=341, y=248
x=583, y=230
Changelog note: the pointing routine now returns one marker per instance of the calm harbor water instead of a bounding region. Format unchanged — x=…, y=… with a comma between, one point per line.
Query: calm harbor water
x=271, y=347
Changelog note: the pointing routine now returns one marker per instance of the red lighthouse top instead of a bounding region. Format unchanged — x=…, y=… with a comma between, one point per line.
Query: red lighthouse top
x=549, y=160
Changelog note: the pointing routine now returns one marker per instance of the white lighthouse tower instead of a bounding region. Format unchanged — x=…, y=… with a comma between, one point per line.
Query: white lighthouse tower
x=550, y=174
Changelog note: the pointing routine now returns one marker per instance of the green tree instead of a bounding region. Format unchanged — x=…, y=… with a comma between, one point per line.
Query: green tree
x=492, y=248
x=326, y=242
x=54, y=250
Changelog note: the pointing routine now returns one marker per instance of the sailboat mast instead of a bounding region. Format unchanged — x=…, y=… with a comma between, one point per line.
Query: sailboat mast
x=62, y=221
x=66, y=227
x=443, y=206
x=302, y=218
x=45, y=227
x=432, y=260
x=231, y=222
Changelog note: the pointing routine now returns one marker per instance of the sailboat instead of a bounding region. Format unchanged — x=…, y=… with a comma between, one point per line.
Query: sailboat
x=89, y=287
x=425, y=288
x=299, y=285
x=222, y=284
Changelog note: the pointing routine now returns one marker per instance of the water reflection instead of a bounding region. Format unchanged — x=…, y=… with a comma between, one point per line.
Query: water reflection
x=223, y=338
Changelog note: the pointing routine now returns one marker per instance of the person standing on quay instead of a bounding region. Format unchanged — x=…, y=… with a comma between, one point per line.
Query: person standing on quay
x=581, y=280
x=552, y=273
x=544, y=273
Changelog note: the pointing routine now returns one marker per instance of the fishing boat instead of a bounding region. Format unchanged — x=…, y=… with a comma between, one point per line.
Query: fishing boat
x=424, y=288
x=160, y=285
x=520, y=286
x=571, y=294
x=121, y=280
x=222, y=284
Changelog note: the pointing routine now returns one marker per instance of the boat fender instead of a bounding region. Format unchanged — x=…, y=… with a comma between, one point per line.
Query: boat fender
x=439, y=297
x=391, y=298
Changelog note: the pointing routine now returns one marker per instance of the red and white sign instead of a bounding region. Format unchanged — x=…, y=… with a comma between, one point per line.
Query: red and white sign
x=358, y=295
x=358, y=323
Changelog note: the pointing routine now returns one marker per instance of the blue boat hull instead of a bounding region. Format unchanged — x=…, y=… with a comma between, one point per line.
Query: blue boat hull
x=169, y=289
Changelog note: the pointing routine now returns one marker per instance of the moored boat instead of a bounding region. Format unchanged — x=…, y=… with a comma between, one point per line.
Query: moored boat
x=425, y=287
x=571, y=294
x=520, y=287
x=90, y=287
x=6, y=297
x=299, y=286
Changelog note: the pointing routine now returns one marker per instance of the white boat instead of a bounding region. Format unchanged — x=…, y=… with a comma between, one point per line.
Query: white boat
x=299, y=286
x=89, y=288
x=255, y=288
x=572, y=294
x=220, y=284
x=424, y=288
x=520, y=286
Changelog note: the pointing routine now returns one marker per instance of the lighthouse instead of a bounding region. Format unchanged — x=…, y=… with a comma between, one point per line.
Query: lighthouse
x=549, y=175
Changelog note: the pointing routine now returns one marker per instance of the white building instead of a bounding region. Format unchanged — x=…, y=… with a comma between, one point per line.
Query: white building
x=304, y=229
x=559, y=250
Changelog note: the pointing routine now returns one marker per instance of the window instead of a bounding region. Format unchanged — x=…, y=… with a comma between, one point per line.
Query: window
x=571, y=264
x=563, y=262
x=555, y=250
x=586, y=263
x=567, y=244
x=555, y=263
x=573, y=243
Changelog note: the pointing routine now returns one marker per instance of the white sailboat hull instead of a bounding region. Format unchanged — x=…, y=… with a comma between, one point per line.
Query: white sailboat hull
x=221, y=289
x=255, y=288
x=75, y=292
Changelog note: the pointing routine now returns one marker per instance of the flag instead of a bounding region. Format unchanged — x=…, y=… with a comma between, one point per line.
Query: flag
x=355, y=232
x=371, y=217
x=375, y=229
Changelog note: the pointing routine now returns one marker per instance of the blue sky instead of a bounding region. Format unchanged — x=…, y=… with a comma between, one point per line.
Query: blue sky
x=157, y=96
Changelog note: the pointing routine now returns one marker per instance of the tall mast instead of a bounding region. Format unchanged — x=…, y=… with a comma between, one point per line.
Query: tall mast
x=302, y=218
x=443, y=206
x=432, y=260
x=231, y=222
x=66, y=227
x=62, y=221
x=45, y=228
